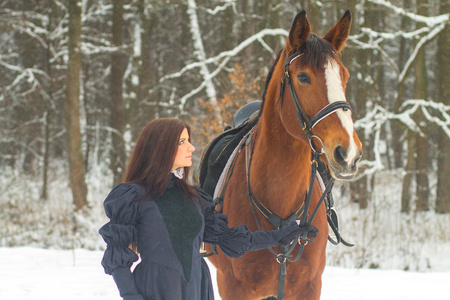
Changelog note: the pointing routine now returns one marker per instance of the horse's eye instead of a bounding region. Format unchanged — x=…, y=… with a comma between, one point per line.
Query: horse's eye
x=304, y=78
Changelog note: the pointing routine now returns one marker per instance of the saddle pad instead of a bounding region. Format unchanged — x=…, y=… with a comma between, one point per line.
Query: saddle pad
x=223, y=175
x=217, y=152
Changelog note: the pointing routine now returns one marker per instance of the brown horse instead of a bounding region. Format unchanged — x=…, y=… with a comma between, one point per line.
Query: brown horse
x=304, y=113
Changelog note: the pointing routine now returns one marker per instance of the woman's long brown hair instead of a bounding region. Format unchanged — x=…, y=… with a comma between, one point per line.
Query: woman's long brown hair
x=152, y=159
x=153, y=156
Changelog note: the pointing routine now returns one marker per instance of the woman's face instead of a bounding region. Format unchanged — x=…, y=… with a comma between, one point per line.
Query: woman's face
x=183, y=158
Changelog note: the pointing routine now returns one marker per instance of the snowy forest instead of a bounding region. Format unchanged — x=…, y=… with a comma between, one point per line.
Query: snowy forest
x=80, y=78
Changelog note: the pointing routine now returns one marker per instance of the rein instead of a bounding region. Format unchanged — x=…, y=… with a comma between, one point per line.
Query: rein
x=307, y=125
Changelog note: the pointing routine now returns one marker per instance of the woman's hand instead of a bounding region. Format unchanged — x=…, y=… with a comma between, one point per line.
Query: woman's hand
x=304, y=232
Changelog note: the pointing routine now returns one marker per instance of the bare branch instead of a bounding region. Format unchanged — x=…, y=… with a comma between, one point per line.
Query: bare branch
x=429, y=21
x=230, y=53
x=376, y=118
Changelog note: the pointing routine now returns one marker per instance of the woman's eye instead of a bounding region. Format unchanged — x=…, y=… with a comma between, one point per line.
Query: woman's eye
x=181, y=143
x=304, y=78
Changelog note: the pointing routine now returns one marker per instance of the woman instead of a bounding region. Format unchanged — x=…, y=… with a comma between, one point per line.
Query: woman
x=158, y=211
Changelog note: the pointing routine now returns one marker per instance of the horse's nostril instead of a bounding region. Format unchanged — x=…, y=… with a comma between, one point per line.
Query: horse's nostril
x=340, y=155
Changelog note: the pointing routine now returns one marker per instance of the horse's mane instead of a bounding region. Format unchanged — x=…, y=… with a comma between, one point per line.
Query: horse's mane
x=316, y=53
x=269, y=76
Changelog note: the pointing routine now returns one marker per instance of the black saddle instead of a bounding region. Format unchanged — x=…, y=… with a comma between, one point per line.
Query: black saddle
x=216, y=154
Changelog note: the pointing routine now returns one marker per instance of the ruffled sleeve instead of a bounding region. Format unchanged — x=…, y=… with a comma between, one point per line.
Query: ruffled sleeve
x=118, y=233
x=236, y=241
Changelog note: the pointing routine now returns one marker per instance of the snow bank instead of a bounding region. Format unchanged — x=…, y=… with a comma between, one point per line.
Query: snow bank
x=32, y=273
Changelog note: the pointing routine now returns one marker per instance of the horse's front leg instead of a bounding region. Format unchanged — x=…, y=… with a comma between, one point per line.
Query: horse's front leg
x=310, y=292
x=232, y=289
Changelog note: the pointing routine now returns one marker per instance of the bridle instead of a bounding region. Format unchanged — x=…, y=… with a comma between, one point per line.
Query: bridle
x=307, y=124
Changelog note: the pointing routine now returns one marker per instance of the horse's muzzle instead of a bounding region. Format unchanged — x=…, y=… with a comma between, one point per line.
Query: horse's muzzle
x=344, y=162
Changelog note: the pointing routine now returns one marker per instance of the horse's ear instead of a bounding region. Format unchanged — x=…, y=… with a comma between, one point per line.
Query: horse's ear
x=337, y=36
x=298, y=34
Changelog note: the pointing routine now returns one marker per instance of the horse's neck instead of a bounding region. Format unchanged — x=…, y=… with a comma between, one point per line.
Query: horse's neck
x=280, y=167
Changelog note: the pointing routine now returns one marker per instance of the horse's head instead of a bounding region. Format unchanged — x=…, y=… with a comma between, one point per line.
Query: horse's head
x=312, y=101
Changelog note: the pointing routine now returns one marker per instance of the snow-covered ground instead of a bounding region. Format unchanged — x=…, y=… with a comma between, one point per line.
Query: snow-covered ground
x=33, y=273
x=384, y=239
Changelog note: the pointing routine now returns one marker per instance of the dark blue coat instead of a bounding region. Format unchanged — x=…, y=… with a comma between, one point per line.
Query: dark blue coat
x=169, y=268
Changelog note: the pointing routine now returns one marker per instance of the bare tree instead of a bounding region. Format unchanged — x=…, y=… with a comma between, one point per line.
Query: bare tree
x=200, y=53
x=72, y=107
x=442, y=195
x=117, y=116
x=421, y=92
x=364, y=90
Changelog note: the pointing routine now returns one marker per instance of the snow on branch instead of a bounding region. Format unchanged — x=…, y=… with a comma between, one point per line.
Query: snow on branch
x=429, y=21
x=227, y=54
x=375, y=45
x=434, y=112
x=27, y=75
x=219, y=60
x=378, y=116
x=200, y=53
x=203, y=84
x=433, y=26
x=91, y=49
x=389, y=35
x=31, y=30
x=423, y=40
x=218, y=9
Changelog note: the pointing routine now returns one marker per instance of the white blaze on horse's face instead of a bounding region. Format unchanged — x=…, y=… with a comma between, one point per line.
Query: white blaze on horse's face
x=336, y=93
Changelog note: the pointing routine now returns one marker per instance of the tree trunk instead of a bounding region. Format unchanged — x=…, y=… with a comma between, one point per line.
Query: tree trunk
x=118, y=115
x=360, y=190
x=313, y=10
x=199, y=51
x=49, y=109
x=443, y=172
x=227, y=34
x=71, y=107
x=349, y=52
x=44, y=191
x=408, y=178
x=421, y=92
x=398, y=130
x=146, y=72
